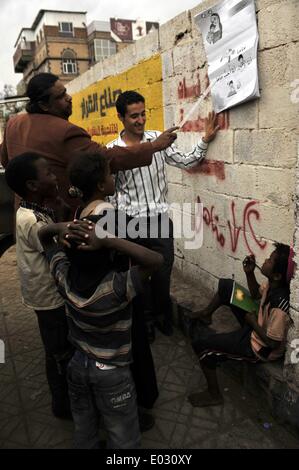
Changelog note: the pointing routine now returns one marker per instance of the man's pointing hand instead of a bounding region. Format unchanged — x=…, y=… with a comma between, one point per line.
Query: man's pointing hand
x=165, y=140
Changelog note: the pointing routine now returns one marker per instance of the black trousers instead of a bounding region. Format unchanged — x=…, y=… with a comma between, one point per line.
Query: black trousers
x=156, y=300
x=142, y=367
x=54, y=333
x=213, y=348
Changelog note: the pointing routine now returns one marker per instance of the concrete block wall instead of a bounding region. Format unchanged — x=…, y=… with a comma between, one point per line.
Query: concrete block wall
x=247, y=185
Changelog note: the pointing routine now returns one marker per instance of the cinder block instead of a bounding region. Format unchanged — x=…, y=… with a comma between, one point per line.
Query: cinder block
x=196, y=120
x=288, y=70
x=214, y=261
x=126, y=58
x=276, y=109
x=169, y=116
x=167, y=64
x=277, y=24
x=153, y=90
x=193, y=273
x=98, y=71
x=270, y=223
x=175, y=31
x=170, y=91
x=174, y=185
x=270, y=185
x=222, y=147
x=74, y=86
x=88, y=78
x=178, y=263
x=244, y=116
x=188, y=57
x=231, y=228
x=270, y=147
x=245, y=222
x=260, y=4
x=110, y=66
x=147, y=46
x=179, y=248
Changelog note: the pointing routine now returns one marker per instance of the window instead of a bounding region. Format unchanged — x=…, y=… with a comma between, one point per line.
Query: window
x=69, y=63
x=69, y=66
x=103, y=48
x=66, y=28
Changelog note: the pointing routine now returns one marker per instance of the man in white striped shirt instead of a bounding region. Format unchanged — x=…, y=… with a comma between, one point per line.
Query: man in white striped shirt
x=142, y=192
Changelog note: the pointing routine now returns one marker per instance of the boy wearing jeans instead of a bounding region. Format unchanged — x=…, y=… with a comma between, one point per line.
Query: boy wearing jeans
x=99, y=317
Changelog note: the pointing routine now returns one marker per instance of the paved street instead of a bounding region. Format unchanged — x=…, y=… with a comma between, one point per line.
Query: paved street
x=26, y=420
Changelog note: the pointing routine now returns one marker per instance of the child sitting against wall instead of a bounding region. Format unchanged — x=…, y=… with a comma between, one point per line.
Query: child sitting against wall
x=261, y=338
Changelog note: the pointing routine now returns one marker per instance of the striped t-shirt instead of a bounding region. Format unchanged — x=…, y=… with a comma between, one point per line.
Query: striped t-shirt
x=100, y=325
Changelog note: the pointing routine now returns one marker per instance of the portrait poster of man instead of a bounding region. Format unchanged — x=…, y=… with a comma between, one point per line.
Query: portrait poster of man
x=230, y=37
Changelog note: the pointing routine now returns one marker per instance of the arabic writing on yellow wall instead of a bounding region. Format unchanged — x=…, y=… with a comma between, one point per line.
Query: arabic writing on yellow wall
x=94, y=107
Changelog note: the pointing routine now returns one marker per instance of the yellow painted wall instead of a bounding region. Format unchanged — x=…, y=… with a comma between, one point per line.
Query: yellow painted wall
x=146, y=78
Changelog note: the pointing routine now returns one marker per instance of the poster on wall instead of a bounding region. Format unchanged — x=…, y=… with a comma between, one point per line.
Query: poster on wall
x=230, y=39
x=131, y=30
x=121, y=29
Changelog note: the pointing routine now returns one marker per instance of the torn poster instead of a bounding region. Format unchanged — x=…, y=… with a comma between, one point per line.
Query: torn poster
x=230, y=38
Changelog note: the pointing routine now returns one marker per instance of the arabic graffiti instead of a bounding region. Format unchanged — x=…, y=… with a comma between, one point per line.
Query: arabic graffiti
x=99, y=102
x=198, y=124
x=245, y=230
x=100, y=131
x=210, y=168
x=194, y=90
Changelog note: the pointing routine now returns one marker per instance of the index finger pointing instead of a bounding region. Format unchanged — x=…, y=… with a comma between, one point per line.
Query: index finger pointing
x=172, y=129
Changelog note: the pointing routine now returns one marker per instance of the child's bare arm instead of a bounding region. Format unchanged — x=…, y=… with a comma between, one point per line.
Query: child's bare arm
x=76, y=231
x=147, y=260
x=251, y=319
x=253, y=285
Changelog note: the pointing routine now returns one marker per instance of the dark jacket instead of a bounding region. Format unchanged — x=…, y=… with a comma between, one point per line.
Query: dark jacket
x=58, y=140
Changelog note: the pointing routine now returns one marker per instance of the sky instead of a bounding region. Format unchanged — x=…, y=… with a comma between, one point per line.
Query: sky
x=18, y=14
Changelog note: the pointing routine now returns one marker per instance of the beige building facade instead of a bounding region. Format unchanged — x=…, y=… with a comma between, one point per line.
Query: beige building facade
x=56, y=43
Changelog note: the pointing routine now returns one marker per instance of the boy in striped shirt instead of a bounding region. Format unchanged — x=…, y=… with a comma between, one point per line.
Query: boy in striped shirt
x=98, y=304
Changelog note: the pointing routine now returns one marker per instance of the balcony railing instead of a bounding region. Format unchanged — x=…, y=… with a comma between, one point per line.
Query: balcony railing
x=23, y=55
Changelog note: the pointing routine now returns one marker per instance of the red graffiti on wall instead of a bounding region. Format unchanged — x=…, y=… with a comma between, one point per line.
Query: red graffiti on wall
x=191, y=91
x=246, y=229
x=198, y=124
x=194, y=91
x=210, y=168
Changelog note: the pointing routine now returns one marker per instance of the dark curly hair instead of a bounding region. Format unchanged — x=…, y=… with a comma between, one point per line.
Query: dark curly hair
x=281, y=261
x=86, y=172
x=127, y=98
x=20, y=170
x=38, y=91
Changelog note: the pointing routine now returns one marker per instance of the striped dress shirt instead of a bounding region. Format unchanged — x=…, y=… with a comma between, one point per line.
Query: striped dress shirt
x=142, y=192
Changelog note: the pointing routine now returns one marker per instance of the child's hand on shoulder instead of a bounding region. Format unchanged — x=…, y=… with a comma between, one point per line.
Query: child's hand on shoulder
x=96, y=239
x=77, y=232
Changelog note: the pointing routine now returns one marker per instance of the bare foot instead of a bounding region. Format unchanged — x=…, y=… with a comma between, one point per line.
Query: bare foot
x=205, y=399
x=201, y=315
